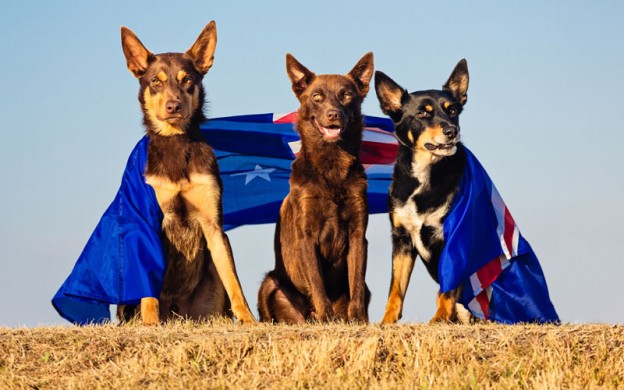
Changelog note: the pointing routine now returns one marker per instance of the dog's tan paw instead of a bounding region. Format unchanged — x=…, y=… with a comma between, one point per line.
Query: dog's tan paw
x=392, y=313
x=247, y=319
x=150, y=311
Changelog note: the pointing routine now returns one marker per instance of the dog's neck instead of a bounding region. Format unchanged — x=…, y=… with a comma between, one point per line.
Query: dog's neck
x=332, y=161
x=169, y=155
x=190, y=130
x=423, y=166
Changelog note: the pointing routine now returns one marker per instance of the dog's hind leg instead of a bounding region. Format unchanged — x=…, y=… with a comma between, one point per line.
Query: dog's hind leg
x=279, y=303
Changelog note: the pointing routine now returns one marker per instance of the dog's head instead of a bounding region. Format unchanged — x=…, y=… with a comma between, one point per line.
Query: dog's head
x=330, y=103
x=426, y=121
x=171, y=93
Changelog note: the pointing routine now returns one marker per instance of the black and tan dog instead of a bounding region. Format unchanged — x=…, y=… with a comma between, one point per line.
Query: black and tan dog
x=320, y=244
x=427, y=174
x=201, y=278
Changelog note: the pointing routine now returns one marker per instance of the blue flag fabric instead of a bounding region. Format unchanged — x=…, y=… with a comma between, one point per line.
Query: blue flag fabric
x=123, y=260
x=486, y=253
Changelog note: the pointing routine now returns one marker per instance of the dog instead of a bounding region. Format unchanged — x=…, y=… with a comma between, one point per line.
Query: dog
x=429, y=166
x=201, y=278
x=320, y=243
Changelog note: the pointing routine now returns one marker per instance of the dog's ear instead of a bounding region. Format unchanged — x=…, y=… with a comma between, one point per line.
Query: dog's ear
x=299, y=75
x=202, y=51
x=457, y=84
x=390, y=95
x=137, y=56
x=362, y=73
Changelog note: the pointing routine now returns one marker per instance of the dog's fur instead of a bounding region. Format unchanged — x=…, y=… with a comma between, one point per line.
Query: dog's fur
x=428, y=170
x=320, y=244
x=201, y=278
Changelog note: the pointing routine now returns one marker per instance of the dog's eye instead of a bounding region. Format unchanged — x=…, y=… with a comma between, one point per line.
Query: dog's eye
x=422, y=114
x=317, y=97
x=452, y=112
x=347, y=96
x=186, y=80
x=155, y=82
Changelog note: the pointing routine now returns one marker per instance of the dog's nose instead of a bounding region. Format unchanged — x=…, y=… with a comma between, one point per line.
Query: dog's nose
x=450, y=131
x=332, y=115
x=173, y=106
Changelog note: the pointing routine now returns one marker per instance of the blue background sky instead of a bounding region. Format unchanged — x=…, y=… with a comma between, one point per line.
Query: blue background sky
x=544, y=112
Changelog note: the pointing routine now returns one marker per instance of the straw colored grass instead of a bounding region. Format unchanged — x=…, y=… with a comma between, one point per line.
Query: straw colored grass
x=219, y=354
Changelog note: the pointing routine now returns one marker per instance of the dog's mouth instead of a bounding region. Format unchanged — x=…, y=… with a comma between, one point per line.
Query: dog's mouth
x=442, y=150
x=443, y=147
x=174, y=118
x=331, y=132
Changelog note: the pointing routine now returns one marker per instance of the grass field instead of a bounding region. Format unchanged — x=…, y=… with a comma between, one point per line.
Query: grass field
x=220, y=354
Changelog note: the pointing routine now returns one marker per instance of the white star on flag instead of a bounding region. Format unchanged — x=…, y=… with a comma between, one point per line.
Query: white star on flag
x=257, y=172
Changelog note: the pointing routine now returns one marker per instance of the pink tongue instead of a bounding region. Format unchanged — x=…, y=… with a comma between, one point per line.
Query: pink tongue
x=331, y=133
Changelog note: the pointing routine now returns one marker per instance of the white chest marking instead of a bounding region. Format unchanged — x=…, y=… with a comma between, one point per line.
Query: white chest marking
x=407, y=216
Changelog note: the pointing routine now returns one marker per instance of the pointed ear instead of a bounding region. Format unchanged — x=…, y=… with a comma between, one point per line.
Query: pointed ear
x=362, y=73
x=300, y=76
x=390, y=95
x=202, y=51
x=457, y=84
x=137, y=56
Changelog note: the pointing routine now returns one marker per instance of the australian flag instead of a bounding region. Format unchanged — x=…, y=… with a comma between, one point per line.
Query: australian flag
x=123, y=260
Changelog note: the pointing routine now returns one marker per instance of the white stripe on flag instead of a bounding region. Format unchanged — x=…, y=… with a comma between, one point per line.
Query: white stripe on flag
x=475, y=308
x=295, y=146
x=373, y=134
x=279, y=116
x=516, y=237
x=476, y=284
x=499, y=209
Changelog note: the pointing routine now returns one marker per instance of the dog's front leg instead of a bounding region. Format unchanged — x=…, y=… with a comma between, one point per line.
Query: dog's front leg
x=305, y=267
x=205, y=196
x=356, y=265
x=323, y=310
x=403, y=258
x=221, y=252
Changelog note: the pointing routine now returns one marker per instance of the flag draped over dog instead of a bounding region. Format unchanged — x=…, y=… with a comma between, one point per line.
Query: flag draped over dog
x=123, y=260
x=485, y=252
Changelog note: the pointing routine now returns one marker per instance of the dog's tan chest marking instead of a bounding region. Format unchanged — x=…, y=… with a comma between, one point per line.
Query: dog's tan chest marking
x=200, y=190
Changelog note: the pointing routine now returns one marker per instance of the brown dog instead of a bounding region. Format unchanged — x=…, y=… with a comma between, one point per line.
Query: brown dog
x=183, y=171
x=320, y=243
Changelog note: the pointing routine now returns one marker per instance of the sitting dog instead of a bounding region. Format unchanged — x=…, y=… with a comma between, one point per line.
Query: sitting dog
x=201, y=278
x=320, y=243
x=429, y=166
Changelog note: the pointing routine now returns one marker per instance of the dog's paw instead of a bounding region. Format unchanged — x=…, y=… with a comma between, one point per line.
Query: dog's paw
x=247, y=319
x=442, y=316
x=392, y=314
x=356, y=313
x=323, y=315
x=150, y=311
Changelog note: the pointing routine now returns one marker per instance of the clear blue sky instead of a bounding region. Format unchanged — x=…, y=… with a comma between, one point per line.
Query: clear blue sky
x=543, y=116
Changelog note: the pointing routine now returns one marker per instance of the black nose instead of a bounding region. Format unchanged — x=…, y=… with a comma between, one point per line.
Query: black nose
x=332, y=115
x=173, y=106
x=450, y=131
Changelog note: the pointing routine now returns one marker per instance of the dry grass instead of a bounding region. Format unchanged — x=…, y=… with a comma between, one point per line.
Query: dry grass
x=224, y=355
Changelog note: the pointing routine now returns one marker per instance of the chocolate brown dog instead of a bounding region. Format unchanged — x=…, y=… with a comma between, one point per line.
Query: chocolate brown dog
x=320, y=244
x=201, y=277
